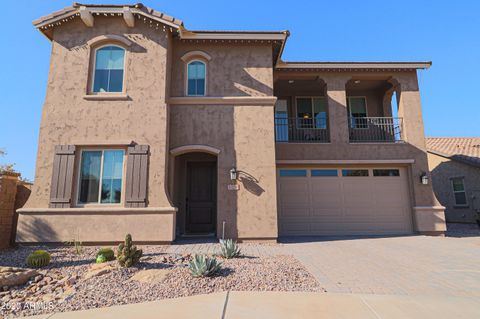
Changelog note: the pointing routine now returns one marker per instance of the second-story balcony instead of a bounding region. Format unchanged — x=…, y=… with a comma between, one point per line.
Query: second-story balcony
x=301, y=130
x=375, y=129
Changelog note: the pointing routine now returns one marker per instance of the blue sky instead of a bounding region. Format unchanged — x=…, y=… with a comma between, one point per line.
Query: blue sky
x=444, y=32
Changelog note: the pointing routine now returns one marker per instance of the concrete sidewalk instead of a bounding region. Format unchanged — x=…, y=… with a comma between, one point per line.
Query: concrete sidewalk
x=280, y=305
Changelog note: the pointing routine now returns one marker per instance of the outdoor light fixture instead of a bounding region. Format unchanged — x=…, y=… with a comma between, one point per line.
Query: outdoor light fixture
x=233, y=174
x=424, y=178
x=291, y=81
x=357, y=81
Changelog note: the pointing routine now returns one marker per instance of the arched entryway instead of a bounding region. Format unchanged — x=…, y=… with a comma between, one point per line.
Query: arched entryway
x=195, y=191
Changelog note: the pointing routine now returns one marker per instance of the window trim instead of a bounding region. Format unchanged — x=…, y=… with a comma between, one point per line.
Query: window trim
x=94, y=50
x=78, y=175
x=349, y=110
x=462, y=178
x=311, y=98
x=187, y=63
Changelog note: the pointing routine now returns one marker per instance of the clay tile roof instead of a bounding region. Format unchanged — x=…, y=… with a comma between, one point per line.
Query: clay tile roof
x=463, y=149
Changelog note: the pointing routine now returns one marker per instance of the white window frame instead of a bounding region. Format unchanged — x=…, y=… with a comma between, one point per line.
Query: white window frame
x=364, y=97
x=186, y=77
x=311, y=97
x=92, y=77
x=78, y=203
x=464, y=191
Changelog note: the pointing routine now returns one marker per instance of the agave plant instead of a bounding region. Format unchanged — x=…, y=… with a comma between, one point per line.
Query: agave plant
x=203, y=266
x=229, y=248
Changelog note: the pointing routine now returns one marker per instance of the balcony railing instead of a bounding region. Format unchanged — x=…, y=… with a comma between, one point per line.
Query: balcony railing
x=301, y=130
x=375, y=129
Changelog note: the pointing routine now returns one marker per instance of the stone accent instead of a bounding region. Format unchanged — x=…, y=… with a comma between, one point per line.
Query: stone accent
x=11, y=276
x=151, y=276
x=13, y=195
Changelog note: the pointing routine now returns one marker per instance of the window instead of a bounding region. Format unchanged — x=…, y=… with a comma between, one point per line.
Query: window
x=281, y=121
x=386, y=172
x=109, y=64
x=324, y=172
x=101, y=173
x=459, y=191
x=196, y=78
x=357, y=108
x=312, y=112
x=354, y=172
x=293, y=173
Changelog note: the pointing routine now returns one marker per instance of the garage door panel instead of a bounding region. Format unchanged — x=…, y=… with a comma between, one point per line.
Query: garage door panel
x=344, y=205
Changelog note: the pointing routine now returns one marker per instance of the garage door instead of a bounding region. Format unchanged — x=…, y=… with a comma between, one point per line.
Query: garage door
x=343, y=201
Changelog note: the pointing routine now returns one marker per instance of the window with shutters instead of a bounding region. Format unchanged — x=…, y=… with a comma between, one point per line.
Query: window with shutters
x=100, y=177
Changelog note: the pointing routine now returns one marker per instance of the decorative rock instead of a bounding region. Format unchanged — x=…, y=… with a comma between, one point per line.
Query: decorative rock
x=10, y=276
x=151, y=276
x=98, y=270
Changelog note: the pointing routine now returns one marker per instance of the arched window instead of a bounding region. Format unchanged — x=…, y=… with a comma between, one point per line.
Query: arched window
x=196, y=78
x=109, y=65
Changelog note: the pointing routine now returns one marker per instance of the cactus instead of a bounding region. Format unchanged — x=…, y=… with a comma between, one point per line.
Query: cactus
x=203, y=266
x=39, y=258
x=106, y=253
x=101, y=259
x=229, y=249
x=128, y=254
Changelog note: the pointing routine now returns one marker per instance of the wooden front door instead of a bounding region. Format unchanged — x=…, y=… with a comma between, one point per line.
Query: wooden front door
x=201, y=197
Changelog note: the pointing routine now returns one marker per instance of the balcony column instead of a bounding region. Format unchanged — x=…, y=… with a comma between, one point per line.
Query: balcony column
x=337, y=108
x=429, y=215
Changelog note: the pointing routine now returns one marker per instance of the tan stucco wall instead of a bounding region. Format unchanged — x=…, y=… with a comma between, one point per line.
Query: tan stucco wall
x=68, y=118
x=442, y=170
x=245, y=142
x=234, y=69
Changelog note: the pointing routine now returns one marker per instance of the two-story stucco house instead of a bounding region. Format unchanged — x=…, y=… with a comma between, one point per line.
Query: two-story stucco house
x=162, y=132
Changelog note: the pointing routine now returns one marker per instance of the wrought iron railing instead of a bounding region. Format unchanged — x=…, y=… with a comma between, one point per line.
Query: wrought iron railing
x=375, y=129
x=301, y=130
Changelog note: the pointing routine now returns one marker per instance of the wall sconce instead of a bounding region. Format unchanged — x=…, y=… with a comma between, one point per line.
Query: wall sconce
x=233, y=174
x=424, y=178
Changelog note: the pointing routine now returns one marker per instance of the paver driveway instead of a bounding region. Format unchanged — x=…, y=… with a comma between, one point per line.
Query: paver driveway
x=396, y=265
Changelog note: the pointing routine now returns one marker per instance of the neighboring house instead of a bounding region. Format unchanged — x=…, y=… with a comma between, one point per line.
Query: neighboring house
x=160, y=131
x=455, y=168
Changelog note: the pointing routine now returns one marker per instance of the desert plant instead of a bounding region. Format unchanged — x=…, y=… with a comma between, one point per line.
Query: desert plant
x=204, y=266
x=128, y=254
x=229, y=248
x=39, y=258
x=105, y=254
x=101, y=259
x=75, y=243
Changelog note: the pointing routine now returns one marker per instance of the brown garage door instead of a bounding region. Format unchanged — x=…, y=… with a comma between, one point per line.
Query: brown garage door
x=343, y=201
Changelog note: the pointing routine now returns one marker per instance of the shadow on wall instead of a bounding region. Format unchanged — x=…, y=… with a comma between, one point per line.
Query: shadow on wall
x=35, y=230
x=250, y=183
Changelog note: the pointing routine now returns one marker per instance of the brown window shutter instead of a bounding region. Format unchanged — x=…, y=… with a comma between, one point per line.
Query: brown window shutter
x=137, y=176
x=62, y=176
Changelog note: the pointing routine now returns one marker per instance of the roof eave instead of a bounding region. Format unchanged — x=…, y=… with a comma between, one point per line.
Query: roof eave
x=286, y=65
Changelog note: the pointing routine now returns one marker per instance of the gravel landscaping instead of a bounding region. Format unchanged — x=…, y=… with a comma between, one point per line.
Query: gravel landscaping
x=70, y=283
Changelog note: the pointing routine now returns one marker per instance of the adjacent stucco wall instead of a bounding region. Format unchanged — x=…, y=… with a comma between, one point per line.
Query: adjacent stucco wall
x=69, y=118
x=443, y=170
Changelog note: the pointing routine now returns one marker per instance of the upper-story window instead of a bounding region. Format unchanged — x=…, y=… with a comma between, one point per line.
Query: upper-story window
x=109, y=69
x=196, y=76
x=357, y=108
x=312, y=112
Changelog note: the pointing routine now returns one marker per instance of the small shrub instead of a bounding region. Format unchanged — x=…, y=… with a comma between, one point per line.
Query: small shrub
x=106, y=253
x=76, y=243
x=39, y=258
x=203, y=266
x=101, y=259
x=128, y=254
x=229, y=249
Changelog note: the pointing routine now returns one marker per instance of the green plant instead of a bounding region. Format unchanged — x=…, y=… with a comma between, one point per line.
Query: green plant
x=128, y=254
x=106, y=253
x=229, y=248
x=39, y=258
x=203, y=266
x=101, y=259
x=76, y=243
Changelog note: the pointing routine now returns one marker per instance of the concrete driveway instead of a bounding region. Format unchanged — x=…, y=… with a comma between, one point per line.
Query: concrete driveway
x=414, y=265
